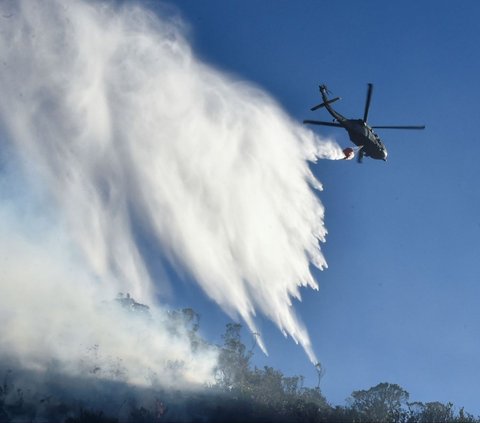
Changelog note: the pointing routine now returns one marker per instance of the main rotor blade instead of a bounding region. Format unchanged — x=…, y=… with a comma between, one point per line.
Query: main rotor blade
x=319, y=122
x=367, y=103
x=400, y=127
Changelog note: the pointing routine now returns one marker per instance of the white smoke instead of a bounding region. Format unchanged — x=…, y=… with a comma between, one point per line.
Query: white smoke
x=117, y=121
x=52, y=317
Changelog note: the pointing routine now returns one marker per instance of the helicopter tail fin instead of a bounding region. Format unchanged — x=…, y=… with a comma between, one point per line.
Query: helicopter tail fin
x=318, y=106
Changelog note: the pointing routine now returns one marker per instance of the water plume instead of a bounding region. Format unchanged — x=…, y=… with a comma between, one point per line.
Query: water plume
x=119, y=126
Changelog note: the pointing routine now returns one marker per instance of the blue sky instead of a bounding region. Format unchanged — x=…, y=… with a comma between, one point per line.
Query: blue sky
x=399, y=301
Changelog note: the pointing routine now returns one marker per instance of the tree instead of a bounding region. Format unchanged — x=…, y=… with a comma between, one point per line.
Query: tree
x=430, y=412
x=314, y=396
x=234, y=360
x=464, y=417
x=266, y=386
x=381, y=403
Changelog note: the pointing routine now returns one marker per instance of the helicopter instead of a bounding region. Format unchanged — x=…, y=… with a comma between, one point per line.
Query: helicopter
x=359, y=131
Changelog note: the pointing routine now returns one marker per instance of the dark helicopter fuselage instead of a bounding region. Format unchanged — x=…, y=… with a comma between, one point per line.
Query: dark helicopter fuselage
x=363, y=136
x=359, y=132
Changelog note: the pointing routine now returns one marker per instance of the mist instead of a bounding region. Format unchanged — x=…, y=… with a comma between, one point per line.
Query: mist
x=112, y=130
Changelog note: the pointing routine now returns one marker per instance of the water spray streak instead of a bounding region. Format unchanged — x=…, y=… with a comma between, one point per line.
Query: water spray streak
x=120, y=122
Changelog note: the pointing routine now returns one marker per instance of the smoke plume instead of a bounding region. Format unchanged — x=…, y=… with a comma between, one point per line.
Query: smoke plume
x=117, y=129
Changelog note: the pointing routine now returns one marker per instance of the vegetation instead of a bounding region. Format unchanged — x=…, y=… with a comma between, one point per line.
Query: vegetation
x=242, y=393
